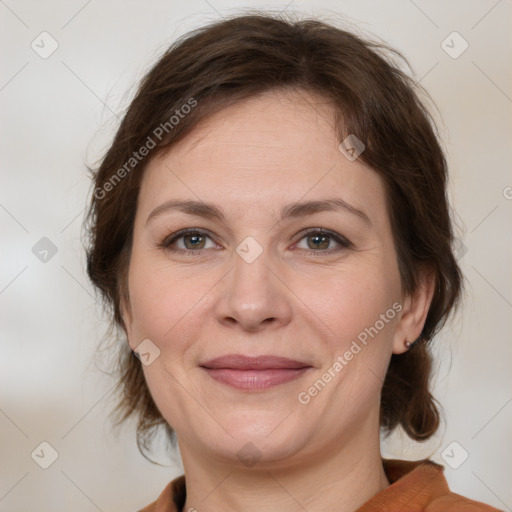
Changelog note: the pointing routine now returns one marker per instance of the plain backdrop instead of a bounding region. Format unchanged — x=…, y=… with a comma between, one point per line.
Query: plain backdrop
x=60, y=112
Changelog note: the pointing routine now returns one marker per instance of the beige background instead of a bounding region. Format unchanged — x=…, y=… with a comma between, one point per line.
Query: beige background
x=60, y=112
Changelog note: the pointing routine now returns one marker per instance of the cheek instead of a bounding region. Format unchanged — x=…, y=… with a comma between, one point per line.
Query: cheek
x=165, y=301
x=350, y=300
x=358, y=311
x=168, y=309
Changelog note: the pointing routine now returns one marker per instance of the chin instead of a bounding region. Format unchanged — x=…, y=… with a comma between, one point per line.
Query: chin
x=257, y=437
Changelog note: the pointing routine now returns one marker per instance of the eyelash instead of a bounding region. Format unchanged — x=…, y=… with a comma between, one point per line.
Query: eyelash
x=345, y=244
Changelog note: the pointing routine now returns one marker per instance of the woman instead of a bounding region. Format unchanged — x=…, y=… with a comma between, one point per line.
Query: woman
x=271, y=229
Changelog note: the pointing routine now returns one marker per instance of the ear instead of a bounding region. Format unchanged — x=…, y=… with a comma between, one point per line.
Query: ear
x=126, y=314
x=415, y=309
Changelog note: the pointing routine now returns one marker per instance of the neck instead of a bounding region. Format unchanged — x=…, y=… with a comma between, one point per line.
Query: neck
x=335, y=479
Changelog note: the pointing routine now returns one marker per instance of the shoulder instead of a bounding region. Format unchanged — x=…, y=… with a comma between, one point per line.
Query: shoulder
x=421, y=486
x=172, y=498
x=453, y=502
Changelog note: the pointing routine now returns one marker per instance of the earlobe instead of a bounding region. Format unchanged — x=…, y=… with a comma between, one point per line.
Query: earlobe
x=414, y=314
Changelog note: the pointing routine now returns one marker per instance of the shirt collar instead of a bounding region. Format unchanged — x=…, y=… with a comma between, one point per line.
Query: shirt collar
x=413, y=484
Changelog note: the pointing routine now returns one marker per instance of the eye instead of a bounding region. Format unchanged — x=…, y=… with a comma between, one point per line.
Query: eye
x=193, y=241
x=187, y=241
x=318, y=241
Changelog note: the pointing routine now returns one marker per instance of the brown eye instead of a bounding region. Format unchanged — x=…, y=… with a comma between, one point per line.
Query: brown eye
x=319, y=240
x=194, y=241
x=187, y=241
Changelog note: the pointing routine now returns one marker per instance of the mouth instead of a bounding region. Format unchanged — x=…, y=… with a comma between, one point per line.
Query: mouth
x=254, y=373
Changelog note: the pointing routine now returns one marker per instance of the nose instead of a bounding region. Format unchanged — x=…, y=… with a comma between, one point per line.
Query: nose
x=254, y=296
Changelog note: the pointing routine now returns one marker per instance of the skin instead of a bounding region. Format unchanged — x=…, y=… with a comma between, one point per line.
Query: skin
x=251, y=160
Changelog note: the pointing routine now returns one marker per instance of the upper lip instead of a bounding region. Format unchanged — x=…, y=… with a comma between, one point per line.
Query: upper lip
x=241, y=362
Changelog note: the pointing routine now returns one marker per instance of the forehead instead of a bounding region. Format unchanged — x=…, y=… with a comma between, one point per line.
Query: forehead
x=272, y=149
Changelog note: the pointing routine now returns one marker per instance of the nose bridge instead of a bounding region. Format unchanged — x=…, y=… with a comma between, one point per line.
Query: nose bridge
x=253, y=294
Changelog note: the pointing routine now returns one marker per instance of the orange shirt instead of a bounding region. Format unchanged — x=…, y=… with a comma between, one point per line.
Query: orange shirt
x=416, y=486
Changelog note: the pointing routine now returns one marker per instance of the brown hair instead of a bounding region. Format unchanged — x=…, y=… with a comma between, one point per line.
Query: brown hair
x=238, y=58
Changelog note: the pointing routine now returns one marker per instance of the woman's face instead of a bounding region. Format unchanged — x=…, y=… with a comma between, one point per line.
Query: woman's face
x=253, y=277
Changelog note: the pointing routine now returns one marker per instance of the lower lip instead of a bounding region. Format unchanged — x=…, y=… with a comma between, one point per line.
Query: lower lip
x=255, y=379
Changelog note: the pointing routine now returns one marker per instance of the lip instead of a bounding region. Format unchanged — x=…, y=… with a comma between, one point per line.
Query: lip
x=241, y=362
x=255, y=380
x=254, y=373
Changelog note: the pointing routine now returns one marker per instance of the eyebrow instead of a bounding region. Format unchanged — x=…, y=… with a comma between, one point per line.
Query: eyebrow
x=293, y=210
